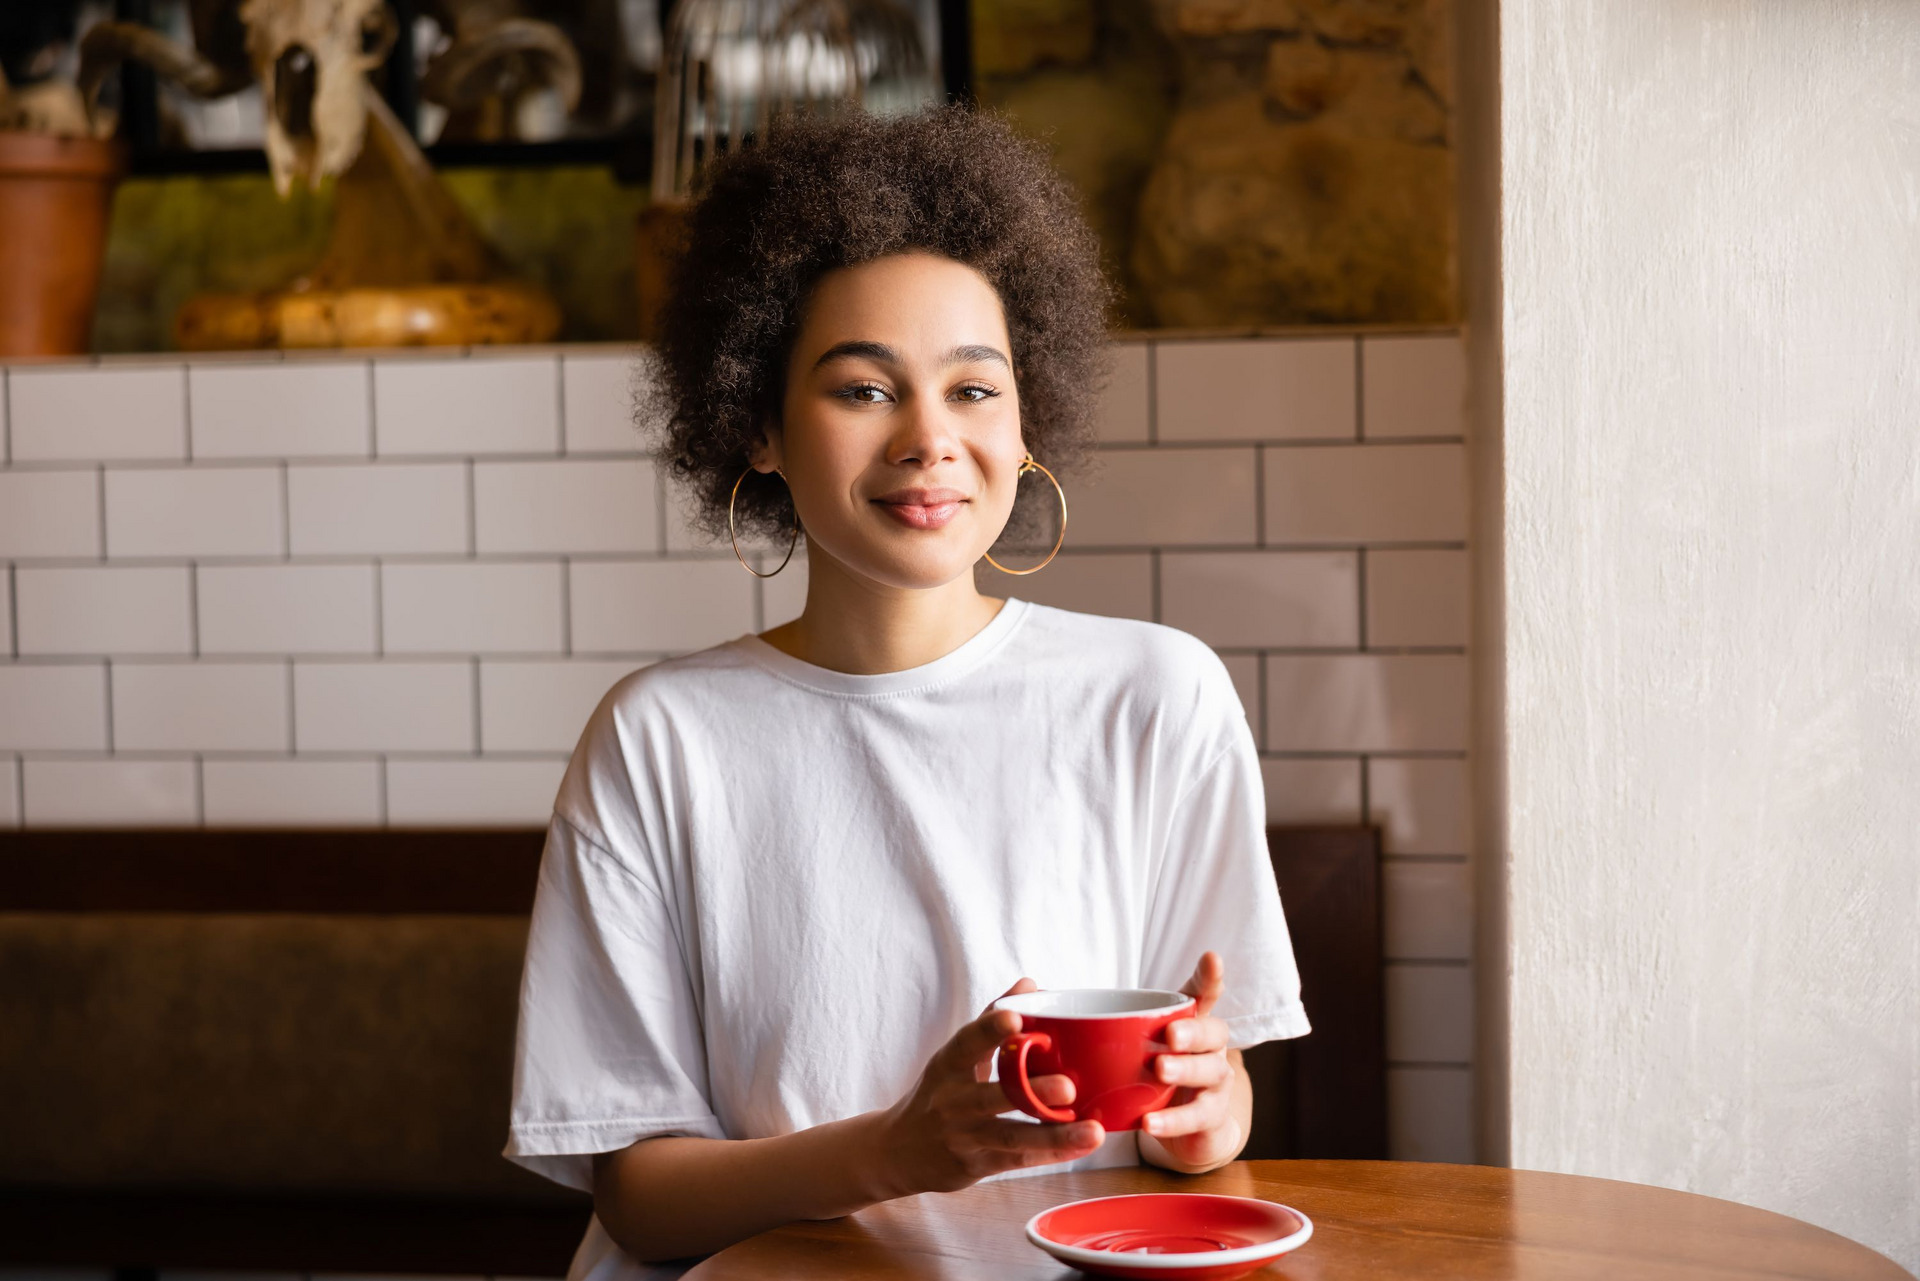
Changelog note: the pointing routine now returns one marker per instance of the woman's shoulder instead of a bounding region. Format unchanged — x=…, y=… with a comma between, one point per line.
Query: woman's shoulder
x=1149, y=660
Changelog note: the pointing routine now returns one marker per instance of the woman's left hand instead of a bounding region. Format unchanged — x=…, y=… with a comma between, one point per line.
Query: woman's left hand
x=1205, y=1124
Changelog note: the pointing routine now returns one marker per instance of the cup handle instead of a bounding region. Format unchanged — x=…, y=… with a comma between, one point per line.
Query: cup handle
x=1013, y=1076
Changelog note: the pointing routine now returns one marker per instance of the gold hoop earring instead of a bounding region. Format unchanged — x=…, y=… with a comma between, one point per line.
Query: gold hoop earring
x=735, y=537
x=1027, y=465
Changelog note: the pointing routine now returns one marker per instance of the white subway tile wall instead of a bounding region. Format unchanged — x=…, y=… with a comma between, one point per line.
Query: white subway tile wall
x=578, y=506
x=1415, y=386
x=347, y=592
x=472, y=607
x=201, y=707
x=1117, y=584
x=473, y=792
x=94, y=414
x=49, y=513
x=287, y=609
x=195, y=511
x=104, y=609
x=385, y=509
x=495, y=405
x=1264, y=389
x=292, y=793
x=1417, y=599
x=53, y=707
x=598, y=391
x=538, y=706
x=1125, y=412
x=124, y=791
x=299, y=410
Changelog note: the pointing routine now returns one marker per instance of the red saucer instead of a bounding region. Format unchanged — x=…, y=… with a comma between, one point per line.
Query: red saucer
x=1161, y=1236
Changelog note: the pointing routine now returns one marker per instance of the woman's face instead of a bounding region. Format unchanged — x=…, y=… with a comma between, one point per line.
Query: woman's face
x=900, y=427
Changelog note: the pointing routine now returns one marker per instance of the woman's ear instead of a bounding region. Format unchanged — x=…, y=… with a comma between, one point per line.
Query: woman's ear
x=768, y=455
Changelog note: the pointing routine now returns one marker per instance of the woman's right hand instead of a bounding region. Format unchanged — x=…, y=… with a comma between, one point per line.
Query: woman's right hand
x=947, y=1133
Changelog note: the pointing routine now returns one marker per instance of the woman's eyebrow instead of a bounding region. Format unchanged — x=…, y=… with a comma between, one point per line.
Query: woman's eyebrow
x=860, y=349
x=966, y=355
x=864, y=349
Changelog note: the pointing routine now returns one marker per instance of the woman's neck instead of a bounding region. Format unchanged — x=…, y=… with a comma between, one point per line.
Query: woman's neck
x=852, y=624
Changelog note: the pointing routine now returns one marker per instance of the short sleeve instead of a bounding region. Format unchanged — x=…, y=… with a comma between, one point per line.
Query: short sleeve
x=1215, y=890
x=609, y=1048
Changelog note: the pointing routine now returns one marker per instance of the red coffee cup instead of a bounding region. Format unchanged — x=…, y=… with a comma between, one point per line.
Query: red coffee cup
x=1104, y=1040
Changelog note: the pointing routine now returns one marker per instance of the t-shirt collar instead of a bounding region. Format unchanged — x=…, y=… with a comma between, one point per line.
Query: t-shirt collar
x=968, y=655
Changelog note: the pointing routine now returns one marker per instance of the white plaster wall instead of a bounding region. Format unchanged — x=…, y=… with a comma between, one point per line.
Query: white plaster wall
x=1711, y=226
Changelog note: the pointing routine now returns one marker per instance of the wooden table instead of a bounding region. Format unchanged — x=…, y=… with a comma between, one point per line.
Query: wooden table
x=1371, y=1219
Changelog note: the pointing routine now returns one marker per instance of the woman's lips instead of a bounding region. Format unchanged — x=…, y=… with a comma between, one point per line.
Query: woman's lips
x=922, y=508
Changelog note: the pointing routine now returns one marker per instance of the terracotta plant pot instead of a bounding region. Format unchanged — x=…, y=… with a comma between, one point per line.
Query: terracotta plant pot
x=55, y=194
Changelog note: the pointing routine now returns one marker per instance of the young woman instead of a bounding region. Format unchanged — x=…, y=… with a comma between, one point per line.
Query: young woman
x=786, y=875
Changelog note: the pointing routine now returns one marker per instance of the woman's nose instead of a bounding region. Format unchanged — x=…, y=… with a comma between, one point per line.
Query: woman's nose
x=923, y=432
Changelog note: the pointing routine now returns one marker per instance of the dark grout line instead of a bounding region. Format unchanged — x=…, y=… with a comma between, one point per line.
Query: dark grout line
x=1360, y=572
x=1359, y=391
x=186, y=410
x=473, y=515
x=1260, y=495
x=660, y=497
x=379, y=609
x=1261, y=687
x=1153, y=393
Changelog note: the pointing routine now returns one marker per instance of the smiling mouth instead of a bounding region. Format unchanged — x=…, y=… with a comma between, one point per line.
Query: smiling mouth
x=922, y=509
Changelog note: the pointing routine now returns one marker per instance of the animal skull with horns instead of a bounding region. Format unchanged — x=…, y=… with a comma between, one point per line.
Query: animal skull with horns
x=311, y=58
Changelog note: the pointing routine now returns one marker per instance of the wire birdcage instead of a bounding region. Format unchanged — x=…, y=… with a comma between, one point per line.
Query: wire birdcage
x=730, y=66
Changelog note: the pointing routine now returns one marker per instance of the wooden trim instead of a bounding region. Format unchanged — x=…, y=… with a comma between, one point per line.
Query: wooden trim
x=369, y=871
x=1325, y=1095
x=133, y=1230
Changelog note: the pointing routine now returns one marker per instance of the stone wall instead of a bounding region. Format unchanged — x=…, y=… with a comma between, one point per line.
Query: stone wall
x=1246, y=162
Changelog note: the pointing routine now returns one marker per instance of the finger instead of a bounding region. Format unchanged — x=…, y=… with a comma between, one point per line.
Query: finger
x=1054, y=1091
x=1198, y=1036
x=1020, y=988
x=1198, y=1071
x=1207, y=1111
x=1208, y=983
x=1050, y=1142
x=967, y=1049
x=990, y=1098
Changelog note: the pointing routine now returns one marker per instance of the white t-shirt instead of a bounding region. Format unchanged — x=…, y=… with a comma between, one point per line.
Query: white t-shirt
x=756, y=863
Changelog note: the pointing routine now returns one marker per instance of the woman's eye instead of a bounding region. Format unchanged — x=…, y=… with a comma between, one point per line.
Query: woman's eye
x=973, y=393
x=863, y=393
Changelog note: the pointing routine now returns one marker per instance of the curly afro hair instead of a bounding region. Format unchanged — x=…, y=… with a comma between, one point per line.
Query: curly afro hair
x=818, y=194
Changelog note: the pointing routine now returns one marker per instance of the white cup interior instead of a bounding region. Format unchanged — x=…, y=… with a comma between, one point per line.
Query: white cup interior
x=1093, y=1002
